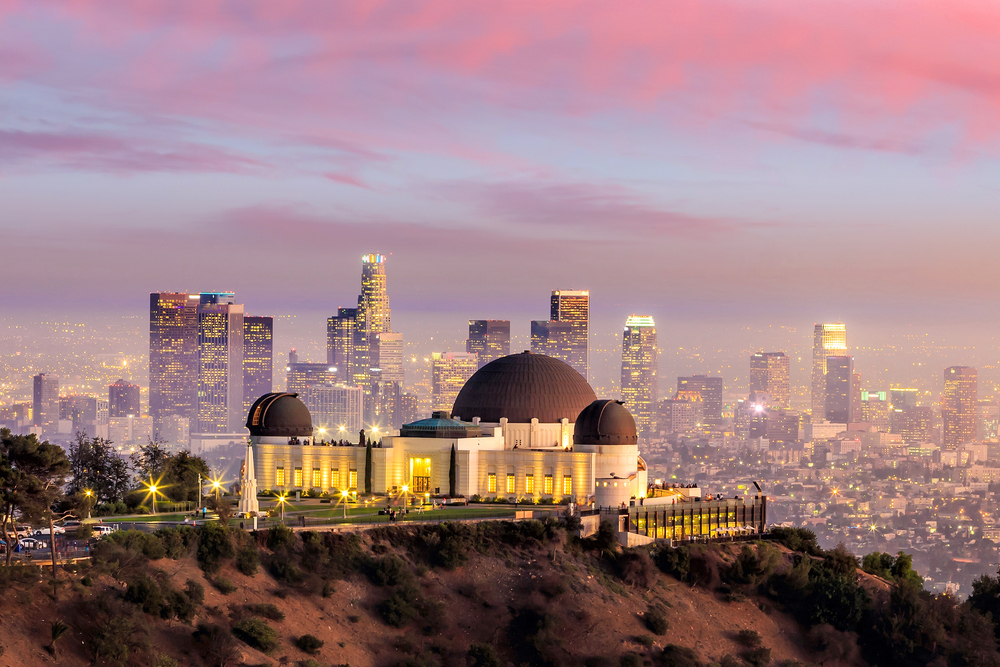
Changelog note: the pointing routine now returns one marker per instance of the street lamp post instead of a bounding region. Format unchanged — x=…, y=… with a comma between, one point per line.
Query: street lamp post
x=216, y=485
x=88, y=494
x=152, y=490
x=281, y=503
x=343, y=501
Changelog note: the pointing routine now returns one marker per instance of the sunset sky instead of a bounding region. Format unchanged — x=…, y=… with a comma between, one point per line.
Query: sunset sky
x=798, y=160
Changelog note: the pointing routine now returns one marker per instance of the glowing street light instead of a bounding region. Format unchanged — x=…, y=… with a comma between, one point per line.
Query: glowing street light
x=152, y=489
x=281, y=504
x=343, y=501
x=88, y=493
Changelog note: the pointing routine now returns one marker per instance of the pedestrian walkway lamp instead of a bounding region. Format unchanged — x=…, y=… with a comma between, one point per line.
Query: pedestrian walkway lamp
x=343, y=500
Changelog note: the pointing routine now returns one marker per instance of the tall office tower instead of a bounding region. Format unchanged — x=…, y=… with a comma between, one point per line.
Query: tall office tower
x=373, y=318
x=959, y=406
x=488, y=340
x=550, y=338
x=302, y=374
x=640, y=391
x=839, y=388
x=903, y=398
x=123, y=399
x=769, y=372
x=388, y=347
x=45, y=406
x=409, y=408
x=86, y=414
x=220, y=363
x=449, y=373
x=681, y=414
x=337, y=410
x=258, y=358
x=710, y=389
x=989, y=420
x=340, y=342
x=876, y=410
x=173, y=356
x=913, y=424
x=828, y=340
x=573, y=347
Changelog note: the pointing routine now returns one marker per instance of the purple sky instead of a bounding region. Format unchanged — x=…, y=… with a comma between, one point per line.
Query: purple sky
x=759, y=161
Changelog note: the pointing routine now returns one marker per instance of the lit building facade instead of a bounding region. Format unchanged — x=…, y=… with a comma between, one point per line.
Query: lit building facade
x=839, y=388
x=710, y=390
x=173, y=355
x=639, y=387
x=374, y=317
x=337, y=410
x=340, y=342
x=828, y=340
x=123, y=399
x=876, y=410
x=959, y=406
x=566, y=334
x=488, y=340
x=769, y=372
x=300, y=375
x=913, y=424
x=449, y=373
x=45, y=402
x=258, y=358
x=220, y=363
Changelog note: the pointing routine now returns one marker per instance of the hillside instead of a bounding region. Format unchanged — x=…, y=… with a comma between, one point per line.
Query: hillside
x=490, y=594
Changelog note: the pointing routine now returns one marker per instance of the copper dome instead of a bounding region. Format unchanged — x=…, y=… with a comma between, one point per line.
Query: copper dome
x=279, y=415
x=605, y=422
x=522, y=387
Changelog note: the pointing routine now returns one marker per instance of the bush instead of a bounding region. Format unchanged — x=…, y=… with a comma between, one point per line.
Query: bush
x=399, y=609
x=223, y=585
x=797, y=539
x=636, y=568
x=389, y=571
x=215, y=543
x=195, y=591
x=280, y=537
x=257, y=634
x=84, y=531
x=483, y=655
x=266, y=610
x=656, y=622
x=630, y=660
x=285, y=571
x=749, y=638
x=309, y=644
x=678, y=656
x=146, y=593
x=248, y=560
x=758, y=657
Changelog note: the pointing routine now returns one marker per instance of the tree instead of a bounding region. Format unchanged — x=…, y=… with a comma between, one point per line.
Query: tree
x=221, y=506
x=180, y=474
x=368, y=468
x=451, y=473
x=95, y=465
x=151, y=458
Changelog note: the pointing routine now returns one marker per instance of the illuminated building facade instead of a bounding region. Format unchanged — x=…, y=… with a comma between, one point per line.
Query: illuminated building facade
x=989, y=420
x=710, y=390
x=374, y=317
x=913, y=424
x=258, y=358
x=45, y=403
x=566, y=334
x=959, y=406
x=337, y=410
x=300, y=375
x=640, y=391
x=449, y=373
x=769, y=372
x=85, y=414
x=828, y=340
x=839, y=388
x=123, y=399
x=340, y=342
x=876, y=410
x=901, y=397
x=173, y=355
x=683, y=413
x=488, y=340
x=220, y=363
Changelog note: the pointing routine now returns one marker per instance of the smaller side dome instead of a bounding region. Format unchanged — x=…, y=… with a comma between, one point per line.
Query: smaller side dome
x=605, y=422
x=279, y=415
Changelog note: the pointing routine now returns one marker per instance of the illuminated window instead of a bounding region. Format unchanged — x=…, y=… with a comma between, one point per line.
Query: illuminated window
x=352, y=480
x=547, y=488
x=317, y=478
x=335, y=478
x=420, y=475
x=491, y=483
x=567, y=485
x=529, y=484
x=298, y=477
x=510, y=483
x=279, y=477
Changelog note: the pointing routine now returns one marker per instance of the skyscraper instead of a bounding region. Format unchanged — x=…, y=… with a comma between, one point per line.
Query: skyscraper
x=220, y=363
x=449, y=373
x=828, y=340
x=769, y=372
x=839, y=389
x=710, y=390
x=959, y=406
x=876, y=410
x=640, y=391
x=173, y=355
x=336, y=410
x=301, y=374
x=123, y=399
x=258, y=358
x=573, y=347
x=488, y=340
x=45, y=406
x=373, y=318
x=340, y=342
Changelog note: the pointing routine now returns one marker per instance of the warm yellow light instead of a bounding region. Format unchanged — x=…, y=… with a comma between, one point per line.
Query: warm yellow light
x=215, y=484
x=343, y=494
x=342, y=429
x=405, y=488
x=88, y=493
x=152, y=489
x=322, y=431
x=374, y=429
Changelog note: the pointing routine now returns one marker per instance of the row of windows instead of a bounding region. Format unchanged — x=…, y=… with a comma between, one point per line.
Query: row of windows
x=529, y=484
x=317, y=478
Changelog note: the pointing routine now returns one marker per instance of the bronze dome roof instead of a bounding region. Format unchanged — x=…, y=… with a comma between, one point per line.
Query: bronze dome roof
x=605, y=422
x=279, y=415
x=521, y=387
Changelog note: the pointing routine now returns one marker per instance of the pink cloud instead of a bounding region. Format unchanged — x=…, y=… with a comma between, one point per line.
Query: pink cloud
x=346, y=180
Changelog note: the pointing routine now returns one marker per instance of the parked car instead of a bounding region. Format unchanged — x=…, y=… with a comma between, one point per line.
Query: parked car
x=33, y=543
x=102, y=529
x=23, y=530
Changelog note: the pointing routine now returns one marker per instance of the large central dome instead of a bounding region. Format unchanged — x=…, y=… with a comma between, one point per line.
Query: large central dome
x=524, y=386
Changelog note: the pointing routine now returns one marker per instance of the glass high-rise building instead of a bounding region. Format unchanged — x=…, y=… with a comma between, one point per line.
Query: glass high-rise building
x=572, y=344
x=220, y=363
x=300, y=375
x=258, y=358
x=710, y=390
x=336, y=409
x=374, y=317
x=123, y=399
x=488, y=340
x=959, y=406
x=449, y=373
x=45, y=404
x=769, y=372
x=640, y=391
x=876, y=410
x=828, y=340
x=340, y=342
x=839, y=390
x=173, y=356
